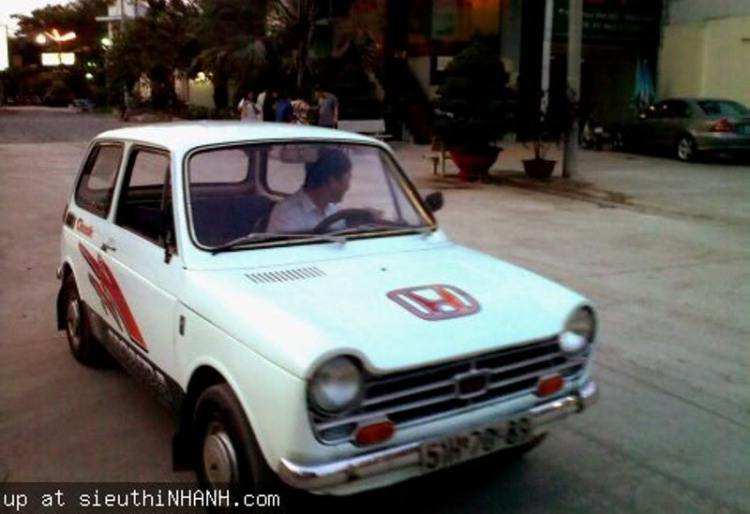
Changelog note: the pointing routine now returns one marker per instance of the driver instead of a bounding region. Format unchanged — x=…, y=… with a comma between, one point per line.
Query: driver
x=326, y=182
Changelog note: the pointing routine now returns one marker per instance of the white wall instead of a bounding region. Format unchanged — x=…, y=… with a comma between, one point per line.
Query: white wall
x=690, y=11
x=420, y=66
x=709, y=59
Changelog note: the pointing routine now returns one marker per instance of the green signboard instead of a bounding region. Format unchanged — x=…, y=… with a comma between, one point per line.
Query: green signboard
x=612, y=22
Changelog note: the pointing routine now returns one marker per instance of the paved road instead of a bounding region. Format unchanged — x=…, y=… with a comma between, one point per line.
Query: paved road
x=661, y=248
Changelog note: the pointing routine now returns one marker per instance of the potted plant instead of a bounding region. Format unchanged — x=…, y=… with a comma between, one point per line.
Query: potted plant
x=542, y=133
x=540, y=167
x=472, y=109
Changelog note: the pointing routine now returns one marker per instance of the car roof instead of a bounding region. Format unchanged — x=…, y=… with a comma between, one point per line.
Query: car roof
x=192, y=134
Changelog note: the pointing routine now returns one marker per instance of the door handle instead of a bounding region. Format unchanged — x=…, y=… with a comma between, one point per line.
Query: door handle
x=108, y=247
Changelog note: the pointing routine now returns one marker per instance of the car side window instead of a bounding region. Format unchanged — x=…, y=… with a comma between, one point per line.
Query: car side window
x=97, y=182
x=145, y=205
x=677, y=109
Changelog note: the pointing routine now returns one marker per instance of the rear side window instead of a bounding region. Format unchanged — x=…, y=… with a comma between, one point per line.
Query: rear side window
x=97, y=183
x=719, y=108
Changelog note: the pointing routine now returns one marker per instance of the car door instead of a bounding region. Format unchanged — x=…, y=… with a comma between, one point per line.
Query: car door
x=673, y=122
x=87, y=220
x=140, y=252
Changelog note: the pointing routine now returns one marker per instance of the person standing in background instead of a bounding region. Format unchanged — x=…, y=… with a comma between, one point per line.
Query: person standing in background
x=269, y=105
x=261, y=103
x=328, y=109
x=249, y=110
x=284, y=109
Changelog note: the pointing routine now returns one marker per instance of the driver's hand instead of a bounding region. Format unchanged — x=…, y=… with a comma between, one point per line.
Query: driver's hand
x=376, y=214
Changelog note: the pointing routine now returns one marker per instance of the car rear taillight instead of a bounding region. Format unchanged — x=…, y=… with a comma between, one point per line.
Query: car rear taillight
x=722, y=126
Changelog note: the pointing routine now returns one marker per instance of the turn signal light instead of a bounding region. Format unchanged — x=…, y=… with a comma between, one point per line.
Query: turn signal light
x=550, y=385
x=375, y=433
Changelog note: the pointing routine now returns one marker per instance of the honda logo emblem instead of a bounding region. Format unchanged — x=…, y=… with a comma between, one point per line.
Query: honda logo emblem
x=435, y=302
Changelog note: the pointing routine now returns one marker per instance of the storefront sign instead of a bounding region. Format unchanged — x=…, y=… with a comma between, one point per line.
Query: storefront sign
x=612, y=22
x=55, y=59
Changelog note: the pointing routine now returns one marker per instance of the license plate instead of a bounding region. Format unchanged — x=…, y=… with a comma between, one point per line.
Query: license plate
x=455, y=448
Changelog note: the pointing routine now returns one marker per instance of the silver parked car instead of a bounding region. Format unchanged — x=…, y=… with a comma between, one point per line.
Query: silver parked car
x=687, y=127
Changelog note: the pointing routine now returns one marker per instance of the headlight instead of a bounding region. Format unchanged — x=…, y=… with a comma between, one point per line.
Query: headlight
x=580, y=330
x=336, y=386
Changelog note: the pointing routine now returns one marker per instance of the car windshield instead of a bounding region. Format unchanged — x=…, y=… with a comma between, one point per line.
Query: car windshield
x=723, y=108
x=297, y=192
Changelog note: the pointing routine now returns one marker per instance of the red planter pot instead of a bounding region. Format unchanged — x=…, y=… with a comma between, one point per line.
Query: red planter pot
x=472, y=163
x=539, y=168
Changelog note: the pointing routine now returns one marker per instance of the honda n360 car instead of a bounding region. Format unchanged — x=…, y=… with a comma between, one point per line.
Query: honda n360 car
x=287, y=292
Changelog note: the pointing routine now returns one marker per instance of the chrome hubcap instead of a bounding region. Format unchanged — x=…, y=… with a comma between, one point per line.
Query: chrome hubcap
x=219, y=457
x=685, y=149
x=74, y=322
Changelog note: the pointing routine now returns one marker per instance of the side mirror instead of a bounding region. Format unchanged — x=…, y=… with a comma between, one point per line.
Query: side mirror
x=434, y=201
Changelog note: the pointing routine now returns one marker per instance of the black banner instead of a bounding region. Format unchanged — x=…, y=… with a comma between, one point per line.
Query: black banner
x=612, y=22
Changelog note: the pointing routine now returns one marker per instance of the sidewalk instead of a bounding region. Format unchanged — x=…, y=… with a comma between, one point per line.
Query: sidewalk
x=715, y=190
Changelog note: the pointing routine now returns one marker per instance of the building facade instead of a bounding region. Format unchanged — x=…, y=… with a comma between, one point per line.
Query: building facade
x=705, y=50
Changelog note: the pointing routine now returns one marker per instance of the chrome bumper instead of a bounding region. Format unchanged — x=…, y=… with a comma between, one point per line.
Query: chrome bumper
x=321, y=476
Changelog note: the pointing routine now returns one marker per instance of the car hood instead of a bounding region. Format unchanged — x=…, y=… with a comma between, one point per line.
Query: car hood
x=300, y=315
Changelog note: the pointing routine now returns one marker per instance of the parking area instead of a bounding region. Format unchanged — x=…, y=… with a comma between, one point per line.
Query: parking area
x=662, y=248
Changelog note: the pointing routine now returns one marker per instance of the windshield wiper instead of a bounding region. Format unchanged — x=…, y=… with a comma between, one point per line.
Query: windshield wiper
x=380, y=227
x=259, y=237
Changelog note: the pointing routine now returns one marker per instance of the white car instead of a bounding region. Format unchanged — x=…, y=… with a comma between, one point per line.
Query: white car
x=289, y=294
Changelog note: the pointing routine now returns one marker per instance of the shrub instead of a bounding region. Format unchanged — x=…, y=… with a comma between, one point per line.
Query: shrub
x=472, y=108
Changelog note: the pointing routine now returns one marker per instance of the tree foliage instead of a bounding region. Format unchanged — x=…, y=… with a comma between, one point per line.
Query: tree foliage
x=473, y=100
x=156, y=45
x=231, y=37
x=292, y=26
x=78, y=16
x=62, y=85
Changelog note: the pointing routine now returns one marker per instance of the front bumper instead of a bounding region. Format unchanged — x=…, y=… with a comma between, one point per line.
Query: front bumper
x=318, y=477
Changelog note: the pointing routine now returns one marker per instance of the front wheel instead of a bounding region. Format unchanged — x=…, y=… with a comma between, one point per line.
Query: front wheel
x=685, y=149
x=226, y=450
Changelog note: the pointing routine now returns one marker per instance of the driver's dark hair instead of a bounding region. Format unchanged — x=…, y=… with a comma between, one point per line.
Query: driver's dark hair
x=331, y=163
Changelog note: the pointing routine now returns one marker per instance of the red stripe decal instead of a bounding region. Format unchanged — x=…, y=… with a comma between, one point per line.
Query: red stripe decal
x=113, y=300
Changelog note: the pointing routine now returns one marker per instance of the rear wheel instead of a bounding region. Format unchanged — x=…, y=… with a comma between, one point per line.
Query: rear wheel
x=685, y=149
x=83, y=346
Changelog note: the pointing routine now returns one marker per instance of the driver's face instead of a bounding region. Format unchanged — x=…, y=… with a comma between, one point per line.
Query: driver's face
x=339, y=187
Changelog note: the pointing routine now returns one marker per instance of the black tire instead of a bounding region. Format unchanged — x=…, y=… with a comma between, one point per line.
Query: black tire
x=226, y=451
x=84, y=347
x=685, y=148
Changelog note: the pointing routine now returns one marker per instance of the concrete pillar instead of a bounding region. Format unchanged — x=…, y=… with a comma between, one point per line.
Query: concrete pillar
x=575, y=34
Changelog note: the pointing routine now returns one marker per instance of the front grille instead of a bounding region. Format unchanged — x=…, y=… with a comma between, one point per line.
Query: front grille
x=417, y=396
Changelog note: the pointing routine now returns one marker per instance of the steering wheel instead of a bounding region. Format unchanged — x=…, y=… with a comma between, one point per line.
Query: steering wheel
x=353, y=218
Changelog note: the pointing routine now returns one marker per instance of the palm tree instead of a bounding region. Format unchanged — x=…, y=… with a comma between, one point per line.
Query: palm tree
x=291, y=25
x=232, y=36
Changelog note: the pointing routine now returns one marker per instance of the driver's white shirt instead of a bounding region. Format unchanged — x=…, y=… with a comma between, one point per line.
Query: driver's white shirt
x=297, y=213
